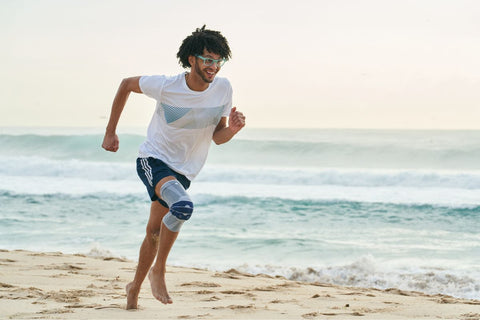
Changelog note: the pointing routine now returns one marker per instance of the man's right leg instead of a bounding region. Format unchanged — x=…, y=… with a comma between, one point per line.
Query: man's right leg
x=148, y=251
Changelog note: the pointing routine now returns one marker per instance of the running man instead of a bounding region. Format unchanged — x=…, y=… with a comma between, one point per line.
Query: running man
x=193, y=108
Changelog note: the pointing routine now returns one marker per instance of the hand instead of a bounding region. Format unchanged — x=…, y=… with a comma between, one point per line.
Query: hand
x=236, y=120
x=110, y=142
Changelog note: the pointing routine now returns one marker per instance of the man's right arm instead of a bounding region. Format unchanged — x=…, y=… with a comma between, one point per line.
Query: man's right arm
x=110, y=141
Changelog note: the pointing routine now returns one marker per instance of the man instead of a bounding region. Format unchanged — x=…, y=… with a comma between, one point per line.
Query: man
x=191, y=111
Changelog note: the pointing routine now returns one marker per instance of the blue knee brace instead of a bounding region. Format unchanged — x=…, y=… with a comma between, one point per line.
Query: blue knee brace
x=180, y=204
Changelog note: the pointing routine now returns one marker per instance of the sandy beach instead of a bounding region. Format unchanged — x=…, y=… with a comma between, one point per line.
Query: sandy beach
x=36, y=285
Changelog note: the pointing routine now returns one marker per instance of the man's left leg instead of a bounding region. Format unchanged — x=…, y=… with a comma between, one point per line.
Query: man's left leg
x=148, y=250
x=157, y=273
x=181, y=208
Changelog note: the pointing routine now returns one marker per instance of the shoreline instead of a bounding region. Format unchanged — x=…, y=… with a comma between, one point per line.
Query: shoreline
x=54, y=285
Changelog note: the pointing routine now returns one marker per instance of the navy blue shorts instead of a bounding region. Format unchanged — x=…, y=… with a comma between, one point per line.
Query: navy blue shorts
x=152, y=170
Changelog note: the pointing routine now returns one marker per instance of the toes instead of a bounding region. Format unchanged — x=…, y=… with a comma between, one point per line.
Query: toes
x=166, y=300
x=163, y=299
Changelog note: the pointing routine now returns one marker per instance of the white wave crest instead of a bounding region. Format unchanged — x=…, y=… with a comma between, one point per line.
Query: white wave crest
x=367, y=272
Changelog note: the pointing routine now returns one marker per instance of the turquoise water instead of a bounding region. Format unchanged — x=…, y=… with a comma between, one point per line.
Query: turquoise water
x=351, y=207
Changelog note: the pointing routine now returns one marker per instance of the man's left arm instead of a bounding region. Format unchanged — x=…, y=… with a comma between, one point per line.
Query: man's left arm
x=236, y=121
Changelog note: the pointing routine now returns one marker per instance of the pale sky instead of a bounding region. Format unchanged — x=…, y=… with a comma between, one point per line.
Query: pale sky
x=321, y=64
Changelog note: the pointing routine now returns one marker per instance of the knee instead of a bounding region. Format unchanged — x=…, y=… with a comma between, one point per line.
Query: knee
x=182, y=209
x=152, y=231
x=152, y=234
x=179, y=213
x=179, y=203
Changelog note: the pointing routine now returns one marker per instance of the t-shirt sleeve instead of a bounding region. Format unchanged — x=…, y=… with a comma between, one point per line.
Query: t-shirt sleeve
x=152, y=86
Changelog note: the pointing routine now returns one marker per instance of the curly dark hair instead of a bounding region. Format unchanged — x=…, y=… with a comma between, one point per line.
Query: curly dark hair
x=201, y=39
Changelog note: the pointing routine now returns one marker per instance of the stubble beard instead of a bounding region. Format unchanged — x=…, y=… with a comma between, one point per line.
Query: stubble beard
x=201, y=73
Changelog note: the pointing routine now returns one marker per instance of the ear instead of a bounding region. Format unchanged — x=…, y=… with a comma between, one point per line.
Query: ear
x=191, y=60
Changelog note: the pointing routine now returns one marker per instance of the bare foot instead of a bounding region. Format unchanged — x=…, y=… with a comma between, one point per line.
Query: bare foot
x=132, y=296
x=159, y=288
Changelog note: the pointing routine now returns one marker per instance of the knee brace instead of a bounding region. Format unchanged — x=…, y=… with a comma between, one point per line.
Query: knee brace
x=179, y=203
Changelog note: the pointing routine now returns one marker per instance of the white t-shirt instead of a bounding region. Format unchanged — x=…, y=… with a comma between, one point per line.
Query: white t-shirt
x=182, y=126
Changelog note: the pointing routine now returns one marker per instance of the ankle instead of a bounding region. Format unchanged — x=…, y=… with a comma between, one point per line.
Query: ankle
x=158, y=269
x=133, y=287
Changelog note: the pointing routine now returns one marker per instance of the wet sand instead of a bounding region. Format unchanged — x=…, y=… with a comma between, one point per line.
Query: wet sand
x=37, y=285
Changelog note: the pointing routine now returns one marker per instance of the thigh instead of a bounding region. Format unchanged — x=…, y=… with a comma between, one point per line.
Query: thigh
x=158, y=187
x=154, y=173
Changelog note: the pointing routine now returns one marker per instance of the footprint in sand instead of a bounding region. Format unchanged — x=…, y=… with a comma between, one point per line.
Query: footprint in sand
x=284, y=301
x=65, y=266
x=213, y=298
x=201, y=284
x=269, y=288
x=236, y=307
x=232, y=292
x=69, y=296
x=225, y=275
x=111, y=306
x=205, y=292
x=6, y=285
x=55, y=311
x=83, y=306
x=198, y=316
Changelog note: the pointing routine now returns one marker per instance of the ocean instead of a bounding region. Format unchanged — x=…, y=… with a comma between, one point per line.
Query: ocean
x=366, y=208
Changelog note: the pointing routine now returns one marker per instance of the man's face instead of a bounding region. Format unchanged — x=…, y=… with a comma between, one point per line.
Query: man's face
x=207, y=73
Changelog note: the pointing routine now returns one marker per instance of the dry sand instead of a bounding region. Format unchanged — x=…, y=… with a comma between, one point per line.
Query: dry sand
x=60, y=286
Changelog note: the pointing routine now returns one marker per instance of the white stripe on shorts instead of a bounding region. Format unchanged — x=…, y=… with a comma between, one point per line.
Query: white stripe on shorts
x=148, y=170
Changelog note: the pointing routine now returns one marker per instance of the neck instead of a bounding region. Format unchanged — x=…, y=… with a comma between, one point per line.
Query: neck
x=195, y=83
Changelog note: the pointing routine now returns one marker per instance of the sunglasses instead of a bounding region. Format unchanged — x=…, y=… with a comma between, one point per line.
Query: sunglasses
x=207, y=62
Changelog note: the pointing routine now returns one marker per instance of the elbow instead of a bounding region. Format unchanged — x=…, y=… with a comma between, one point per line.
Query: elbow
x=125, y=83
x=217, y=141
x=221, y=140
x=123, y=87
x=131, y=84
